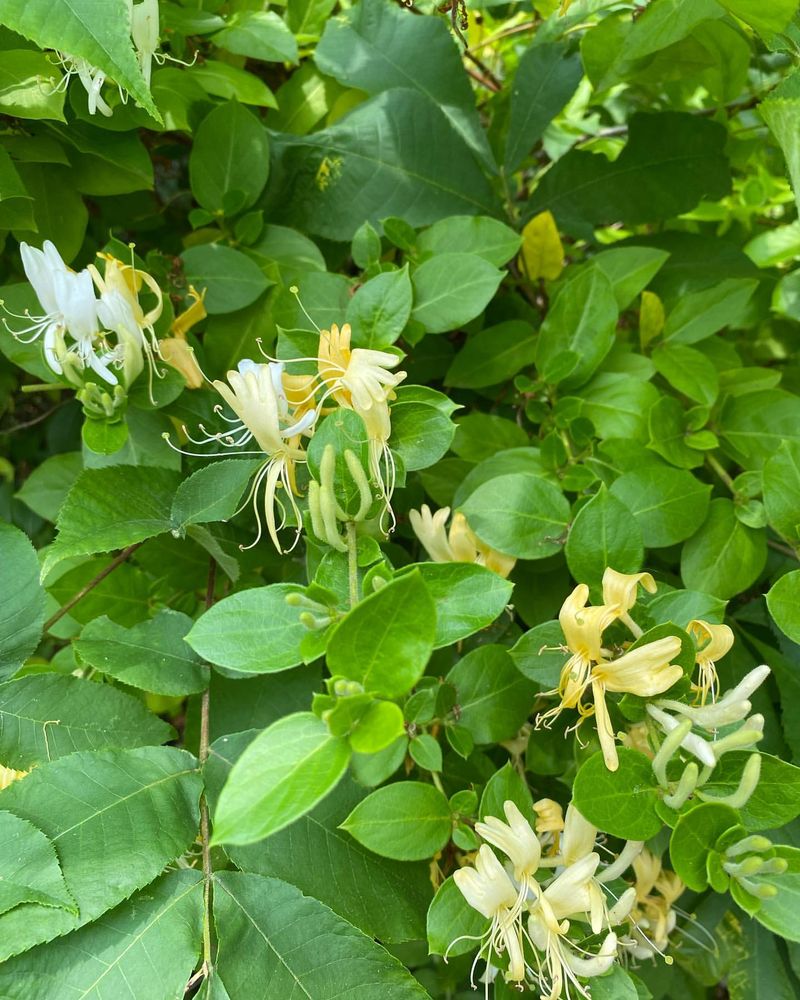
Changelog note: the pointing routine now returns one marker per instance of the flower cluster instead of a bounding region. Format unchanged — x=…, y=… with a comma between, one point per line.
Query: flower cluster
x=548, y=902
x=460, y=544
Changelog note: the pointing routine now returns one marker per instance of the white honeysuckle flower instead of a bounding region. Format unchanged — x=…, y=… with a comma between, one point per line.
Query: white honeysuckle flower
x=693, y=743
x=621, y=910
x=732, y=707
x=460, y=545
x=578, y=837
x=515, y=839
x=90, y=76
x=144, y=32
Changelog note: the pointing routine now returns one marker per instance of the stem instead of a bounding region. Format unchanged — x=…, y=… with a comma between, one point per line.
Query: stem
x=352, y=561
x=784, y=549
x=723, y=475
x=204, y=823
x=116, y=561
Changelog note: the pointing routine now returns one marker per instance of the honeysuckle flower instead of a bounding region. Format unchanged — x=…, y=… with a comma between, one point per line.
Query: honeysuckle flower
x=90, y=76
x=9, y=775
x=460, y=545
x=713, y=642
x=515, y=839
x=653, y=917
x=578, y=837
x=549, y=817
x=620, y=591
x=176, y=351
x=144, y=33
x=733, y=707
x=489, y=890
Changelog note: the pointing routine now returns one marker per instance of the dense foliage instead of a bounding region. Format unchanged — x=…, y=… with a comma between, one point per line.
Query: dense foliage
x=400, y=497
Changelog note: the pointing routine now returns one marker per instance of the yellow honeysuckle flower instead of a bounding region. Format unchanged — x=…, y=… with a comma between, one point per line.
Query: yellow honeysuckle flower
x=653, y=917
x=549, y=816
x=180, y=355
x=713, y=642
x=620, y=591
x=9, y=775
x=460, y=545
x=515, y=839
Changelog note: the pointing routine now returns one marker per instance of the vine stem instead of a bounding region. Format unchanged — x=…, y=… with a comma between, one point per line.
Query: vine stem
x=720, y=471
x=204, y=821
x=352, y=562
x=116, y=561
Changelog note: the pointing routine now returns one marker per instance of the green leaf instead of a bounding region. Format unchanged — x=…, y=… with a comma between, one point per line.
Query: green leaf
x=539, y=654
x=212, y=493
x=223, y=80
x=487, y=238
x=110, y=508
x=467, y=598
x=28, y=82
x=669, y=505
x=779, y=914
x=152, y=655
x=580, y=324
x=395, y=155
x=689, y=371
x=783, y=601
x=618, y=405
x=254, y=631
x=281, y=775
x=421, y=433
x=451, y=917
x=380, y=309
x=693, y=840
x=46, y=716
x=29, y=868
x=230, y=157
x=406, y=821
x=231, y=279
x=146, y=947
x=297, y=945
x=766, y=20
x=546, y=78
x=725, y=556
x=700, y=314
x=48, y=484
x=451, y=289
x=385, y=642
x=493, y=697
x=630, y=270
x=325, y=862
x=620, y=802
x=518, y=514
x=671, y=161
x=668, y=432
x=507, y=783
x=492, y=356
x=58, y=209
x=100, y=35
x=21, y=598
x=258, y=35
x=776, y=799
x=116, y=817
x=781, y=485
x=603, y=534
x=781, y=116
x=426, y=752
x=757, y=424
x=374, y=47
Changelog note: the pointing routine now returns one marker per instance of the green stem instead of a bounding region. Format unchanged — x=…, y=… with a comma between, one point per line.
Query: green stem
x=204, y=819
x=352, y=561
x=712, y=463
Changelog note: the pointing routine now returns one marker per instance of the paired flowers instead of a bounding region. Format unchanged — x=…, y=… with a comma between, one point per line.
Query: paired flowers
x=460, y=544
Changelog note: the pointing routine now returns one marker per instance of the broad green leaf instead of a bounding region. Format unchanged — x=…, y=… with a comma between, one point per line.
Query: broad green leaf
x=111, y=508
x=767, y=20
x=385, y=642
x=258, y=35
x=229, y=159
x=505, y=784
x=488, y=238
x=406, y=821
x=22, y=600
x=724, y=557
x=622, y=802
x=493, y=697
x=325, y=862
x=375, y=47
x=759, y=969
x=395, y=155
x=451, y=289
x=615, y=985
x=152, y=655
x=254, y=631
x=213, y=493
x=48, y=484
x=518, y=514
x=223, y=80
x=146, y=947
x=668, y=431
x=98, y=33
x=492, y=356
x=540, y=655
x=603, y=534
x=776, y=799
x=281, y=775
x=421, y=433
x=781, y=115
x=116, y=818
x=380, y=309
x=779, y=914
x=671, y=161
x=694, y=837
x=468, y=598
x=783, y=601
x=298, y=946
x=700, y=314
x=618, y=405
x=757, y=424
x=451, y=917
x=781, y=484
x=525, y=460
x=669, y=505
x=58, y=209
x=480, y=436
x=29, y=868
x=681, y=606
x=231, y=279
x=689, y=371
x=28, y=82
x=46, y=716
x=580, y=323
x=546, y=78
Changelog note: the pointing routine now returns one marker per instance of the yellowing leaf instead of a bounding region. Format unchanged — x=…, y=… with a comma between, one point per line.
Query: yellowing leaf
x=651, y=317
x=542, y=252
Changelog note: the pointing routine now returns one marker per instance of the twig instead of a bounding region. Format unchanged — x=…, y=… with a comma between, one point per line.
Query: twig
x=116, y=561
x=489, y=84
x=35, y=420
x=784, y=549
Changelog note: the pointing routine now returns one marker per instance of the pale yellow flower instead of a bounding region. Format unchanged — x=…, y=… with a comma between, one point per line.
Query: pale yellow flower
x=713, y=642
x=9, y=775
x=620, y=591
x=460, y=545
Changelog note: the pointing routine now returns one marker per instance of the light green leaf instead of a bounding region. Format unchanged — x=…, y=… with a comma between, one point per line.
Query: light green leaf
x=603, y=534
x=767, y=20
x=669, y=505
x=505, y=784
x=231, y=279
x=223, y=80
x=689, y=371
x=254, y=631
x=385, y=642
x=781, y=485
x=407, y=821
x=620, y=802
x=755, y=425
x=22, y=600
x=783, y=601
x=493, y=355
x=630, y=269
x=281, y=775
x=145, y=948
x=152, y=655
x=493, y=697
x=213, y=492
x=258, y=35
x=29, y=868
x=48, y=484
x=380, y=309
x=116, y=818
x=110, y=508
x=725, y=556
x=699, y=314
x=779, y=914
x=451, y=289
x=693, y=840
x=298, y=946
x=28, y=82
x=46, y=716
x=451, y=917
x=421, y=433
x=488, y=238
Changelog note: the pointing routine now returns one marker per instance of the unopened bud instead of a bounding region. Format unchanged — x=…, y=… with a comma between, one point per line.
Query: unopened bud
x=749, y=844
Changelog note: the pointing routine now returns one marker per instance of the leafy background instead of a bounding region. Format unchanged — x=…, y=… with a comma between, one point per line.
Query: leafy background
x=637, y=407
